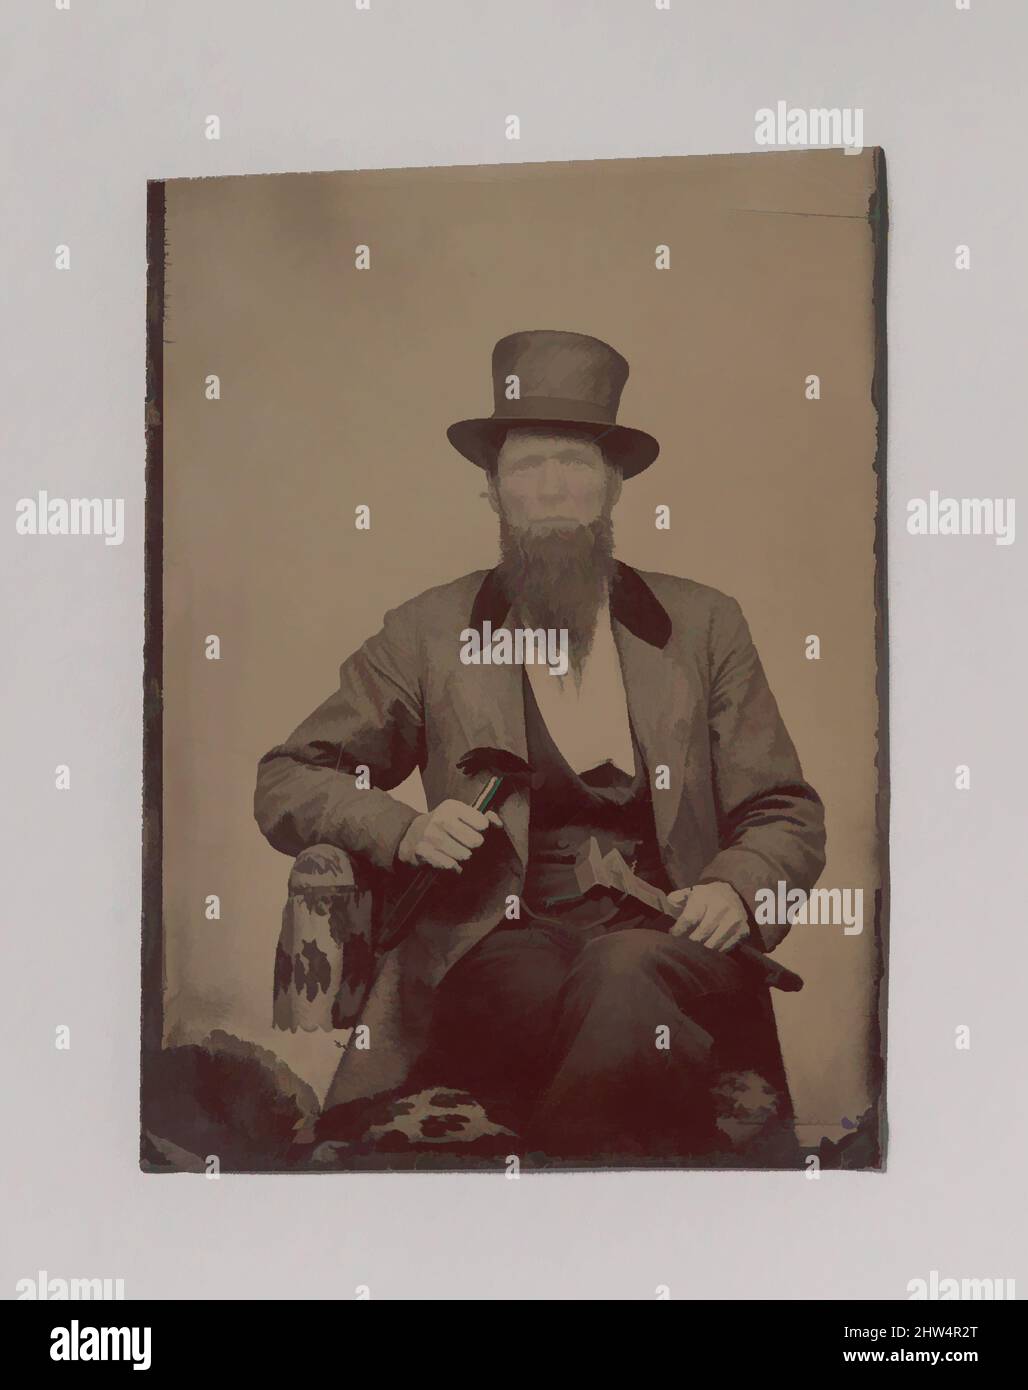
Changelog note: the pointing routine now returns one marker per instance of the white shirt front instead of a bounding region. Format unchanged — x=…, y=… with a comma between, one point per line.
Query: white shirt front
x=588, y=722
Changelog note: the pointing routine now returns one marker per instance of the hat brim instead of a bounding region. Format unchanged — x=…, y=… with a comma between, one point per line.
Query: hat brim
x=478, y=440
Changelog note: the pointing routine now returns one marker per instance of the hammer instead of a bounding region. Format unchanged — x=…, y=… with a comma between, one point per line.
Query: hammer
x=501, y=767
x=593, y=869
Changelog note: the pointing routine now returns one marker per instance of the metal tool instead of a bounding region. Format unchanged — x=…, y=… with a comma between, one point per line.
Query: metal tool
x=595, y=869
x=502, y=767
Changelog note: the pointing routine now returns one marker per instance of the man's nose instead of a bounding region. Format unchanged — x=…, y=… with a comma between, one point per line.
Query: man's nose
x=553, y=480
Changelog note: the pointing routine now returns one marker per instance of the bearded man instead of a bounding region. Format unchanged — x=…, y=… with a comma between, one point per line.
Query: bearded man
x=592, y=1026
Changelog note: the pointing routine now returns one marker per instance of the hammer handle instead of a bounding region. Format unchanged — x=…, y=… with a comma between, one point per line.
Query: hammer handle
x=395, y=929
x=776, y=975
x=488, y=792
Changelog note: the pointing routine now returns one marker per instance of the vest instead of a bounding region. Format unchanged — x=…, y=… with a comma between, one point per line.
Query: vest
x=568, y=808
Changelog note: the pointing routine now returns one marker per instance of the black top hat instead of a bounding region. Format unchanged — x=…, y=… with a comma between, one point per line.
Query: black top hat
x=556, y=379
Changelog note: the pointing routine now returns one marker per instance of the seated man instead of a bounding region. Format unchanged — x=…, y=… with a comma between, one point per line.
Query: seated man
x=592, y=1026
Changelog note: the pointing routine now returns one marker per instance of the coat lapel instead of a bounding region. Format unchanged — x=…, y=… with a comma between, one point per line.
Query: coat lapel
x=491, y=714
x=644, y=670
x=642, y=630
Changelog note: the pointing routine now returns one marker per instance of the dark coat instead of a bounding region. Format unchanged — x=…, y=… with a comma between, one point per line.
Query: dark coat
x=737, y=811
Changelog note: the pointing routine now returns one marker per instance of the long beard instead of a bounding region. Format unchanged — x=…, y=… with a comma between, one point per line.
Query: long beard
x=557, y=574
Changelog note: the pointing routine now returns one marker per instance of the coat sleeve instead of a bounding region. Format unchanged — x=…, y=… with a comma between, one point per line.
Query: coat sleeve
x=770, y=821
x=307, y=788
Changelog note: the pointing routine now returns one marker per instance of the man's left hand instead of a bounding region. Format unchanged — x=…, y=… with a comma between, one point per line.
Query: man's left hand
x=714, y=916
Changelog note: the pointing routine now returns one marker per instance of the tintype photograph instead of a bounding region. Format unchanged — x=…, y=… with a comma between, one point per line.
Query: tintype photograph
x=516, y=777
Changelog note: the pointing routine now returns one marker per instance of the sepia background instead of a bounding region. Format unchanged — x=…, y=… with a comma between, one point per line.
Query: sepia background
x=336, y=389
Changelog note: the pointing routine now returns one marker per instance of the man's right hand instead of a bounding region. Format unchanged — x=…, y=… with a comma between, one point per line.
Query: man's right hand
x=445, y=836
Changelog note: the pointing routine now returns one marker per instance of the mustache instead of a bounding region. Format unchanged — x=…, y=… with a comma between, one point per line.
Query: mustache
x=557, y=546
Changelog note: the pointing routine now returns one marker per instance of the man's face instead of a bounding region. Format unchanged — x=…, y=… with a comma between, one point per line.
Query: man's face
x=544, y=480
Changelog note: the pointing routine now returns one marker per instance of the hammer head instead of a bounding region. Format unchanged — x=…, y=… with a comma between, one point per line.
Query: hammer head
x=590, y=869
x=497, y=762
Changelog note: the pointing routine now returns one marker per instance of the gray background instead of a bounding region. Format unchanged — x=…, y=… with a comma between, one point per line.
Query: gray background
x=100, y=98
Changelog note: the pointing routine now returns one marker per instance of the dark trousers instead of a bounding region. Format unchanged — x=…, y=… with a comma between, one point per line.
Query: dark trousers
x=601, y=1041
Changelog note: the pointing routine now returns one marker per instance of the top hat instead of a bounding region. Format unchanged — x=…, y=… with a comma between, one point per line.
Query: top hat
x=556, y=379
